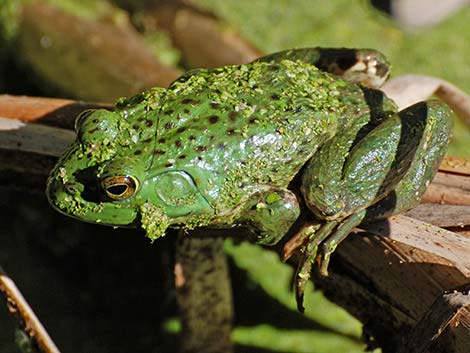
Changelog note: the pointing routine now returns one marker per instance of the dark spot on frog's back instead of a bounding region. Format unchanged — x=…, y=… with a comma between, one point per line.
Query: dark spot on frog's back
x=201, y=148
x=215, y=105
x=189, y=101
x=178, y=143
x=230, y=131
x=168, y=112
x=181, y=129
x=232, y=116
x=168, y=126
x=158, y=152
x=213, y=119
x=148, y=123
x=138, y=152
x=275, y=96
x=162, y=140
x=93, y=130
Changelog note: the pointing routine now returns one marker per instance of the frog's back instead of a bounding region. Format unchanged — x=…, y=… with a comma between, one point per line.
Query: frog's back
x=253, y=124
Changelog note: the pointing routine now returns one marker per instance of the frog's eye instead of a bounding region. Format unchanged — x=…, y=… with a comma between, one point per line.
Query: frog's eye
x=119, y=187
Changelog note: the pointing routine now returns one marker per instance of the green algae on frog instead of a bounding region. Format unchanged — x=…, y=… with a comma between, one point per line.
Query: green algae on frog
x=257, y=145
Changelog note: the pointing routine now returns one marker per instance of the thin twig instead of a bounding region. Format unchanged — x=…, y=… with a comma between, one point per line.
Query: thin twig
x=30, y=323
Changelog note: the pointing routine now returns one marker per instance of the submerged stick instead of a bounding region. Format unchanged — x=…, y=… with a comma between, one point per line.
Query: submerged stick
x=29, y=322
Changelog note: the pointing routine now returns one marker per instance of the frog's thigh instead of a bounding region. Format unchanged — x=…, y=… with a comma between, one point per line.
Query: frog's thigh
x=365, y=66
x=403, y=152
x=425, y=162
x=270, y=214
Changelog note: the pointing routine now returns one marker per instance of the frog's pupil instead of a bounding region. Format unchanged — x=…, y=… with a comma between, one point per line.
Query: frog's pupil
x=117, y=190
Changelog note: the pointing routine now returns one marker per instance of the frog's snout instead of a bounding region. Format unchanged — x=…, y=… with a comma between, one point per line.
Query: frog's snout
x=57, y=192
x=74, y=199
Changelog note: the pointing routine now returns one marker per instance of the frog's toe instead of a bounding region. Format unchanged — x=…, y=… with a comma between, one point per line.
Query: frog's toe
x=329, y=245
x=318, y=244
x=296, y=243
x=302, y=274
x=309, y=253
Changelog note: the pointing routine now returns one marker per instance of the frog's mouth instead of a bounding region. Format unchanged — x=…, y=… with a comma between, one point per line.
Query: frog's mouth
x=66, y=199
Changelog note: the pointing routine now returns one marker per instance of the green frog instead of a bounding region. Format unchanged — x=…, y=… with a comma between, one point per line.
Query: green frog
x=297, y=136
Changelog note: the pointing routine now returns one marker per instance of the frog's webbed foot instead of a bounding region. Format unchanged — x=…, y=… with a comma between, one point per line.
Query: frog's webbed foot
x=365, y=66
x=311, y=236
x=317, y=243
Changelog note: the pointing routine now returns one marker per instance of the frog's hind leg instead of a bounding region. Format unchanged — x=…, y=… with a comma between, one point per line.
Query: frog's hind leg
x=365, y=66
x=347, y=181
x=410, y=187
x=321, y=243
x=425, y=163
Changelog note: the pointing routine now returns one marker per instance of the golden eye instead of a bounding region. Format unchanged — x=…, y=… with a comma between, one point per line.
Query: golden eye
x=119, y=187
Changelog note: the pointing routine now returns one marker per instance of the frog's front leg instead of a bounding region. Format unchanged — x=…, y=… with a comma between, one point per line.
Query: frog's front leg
x=269, y=213
x=365, y=66
x=348, y=179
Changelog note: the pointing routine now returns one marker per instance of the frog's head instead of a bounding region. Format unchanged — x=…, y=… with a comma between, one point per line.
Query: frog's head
x=104, y=176
x=94, y=180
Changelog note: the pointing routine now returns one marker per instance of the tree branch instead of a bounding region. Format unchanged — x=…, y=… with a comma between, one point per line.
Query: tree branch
x=29, y=322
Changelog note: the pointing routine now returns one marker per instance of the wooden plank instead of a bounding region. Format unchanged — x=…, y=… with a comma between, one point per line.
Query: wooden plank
x=36, y=138
x=30, y=108
x=389, y=277
x=456, y=335
x=441, y=215
x=448, y=188
x=51, y=111
x=455, y=165
x=447, y=313
x=424, y=236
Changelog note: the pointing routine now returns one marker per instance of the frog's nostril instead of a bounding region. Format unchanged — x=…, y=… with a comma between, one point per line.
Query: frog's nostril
x=71, y=188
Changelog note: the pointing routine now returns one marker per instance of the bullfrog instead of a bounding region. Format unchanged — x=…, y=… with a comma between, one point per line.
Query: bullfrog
x=301, y=135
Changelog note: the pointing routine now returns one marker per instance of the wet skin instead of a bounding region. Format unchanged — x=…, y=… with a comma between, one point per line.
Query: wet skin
x=257, y=145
